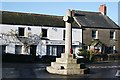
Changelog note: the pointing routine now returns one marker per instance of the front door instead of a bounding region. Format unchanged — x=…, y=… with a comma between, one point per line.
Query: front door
x=33, y=50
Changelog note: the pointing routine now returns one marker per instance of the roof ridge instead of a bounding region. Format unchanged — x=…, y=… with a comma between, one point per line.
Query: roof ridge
x=86, y=11
x=30, y=13
x=85, y=19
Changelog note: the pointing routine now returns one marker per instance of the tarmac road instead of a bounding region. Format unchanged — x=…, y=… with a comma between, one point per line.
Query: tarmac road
x=110, y=70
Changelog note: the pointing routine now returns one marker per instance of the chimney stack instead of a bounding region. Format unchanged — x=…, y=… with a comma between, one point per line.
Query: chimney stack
x=103, y=9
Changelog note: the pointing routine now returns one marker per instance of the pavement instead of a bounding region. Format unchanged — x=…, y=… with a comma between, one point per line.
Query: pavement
x=98, y=71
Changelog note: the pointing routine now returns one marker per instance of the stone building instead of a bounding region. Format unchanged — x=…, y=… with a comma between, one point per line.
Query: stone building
x=98, y=28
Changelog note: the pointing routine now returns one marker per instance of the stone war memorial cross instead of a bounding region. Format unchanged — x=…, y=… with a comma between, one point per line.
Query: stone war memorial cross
x=67, y=65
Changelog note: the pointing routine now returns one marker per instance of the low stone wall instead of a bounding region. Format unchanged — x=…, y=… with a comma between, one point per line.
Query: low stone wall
x=15, y=58
x=102, y=57
x=115, y=56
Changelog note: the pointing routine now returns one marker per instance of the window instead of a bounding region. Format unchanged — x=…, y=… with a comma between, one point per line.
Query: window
x=94, y=34
x=86, y=47
x=21, y=31
x=29, y=28
x=63, y=34
x=52, y=50
x=18, y=49
x=112, y=49
x=44, y=32
x=112, y=34
x=3, y=48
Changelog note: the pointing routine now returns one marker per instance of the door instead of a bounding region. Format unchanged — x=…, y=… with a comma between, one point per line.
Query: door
x=18, y=49
x=33, y=50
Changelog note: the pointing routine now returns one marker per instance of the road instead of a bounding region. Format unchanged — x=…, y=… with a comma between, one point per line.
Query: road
x=35, y=70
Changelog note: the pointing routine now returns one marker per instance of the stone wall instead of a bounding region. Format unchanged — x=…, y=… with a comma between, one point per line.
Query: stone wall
x=103, y=36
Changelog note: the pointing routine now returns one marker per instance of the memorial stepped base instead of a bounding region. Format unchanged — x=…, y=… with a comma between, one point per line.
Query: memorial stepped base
x=67, y=66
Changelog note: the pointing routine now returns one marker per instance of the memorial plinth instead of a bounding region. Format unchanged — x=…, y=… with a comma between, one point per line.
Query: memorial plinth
x=67, y=66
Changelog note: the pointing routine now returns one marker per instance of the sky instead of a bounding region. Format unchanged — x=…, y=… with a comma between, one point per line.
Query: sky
x=59, y=8
x=119, y=13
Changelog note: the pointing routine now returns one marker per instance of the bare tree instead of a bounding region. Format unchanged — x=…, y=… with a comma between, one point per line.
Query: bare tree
x=13, y=37
x=10, y=37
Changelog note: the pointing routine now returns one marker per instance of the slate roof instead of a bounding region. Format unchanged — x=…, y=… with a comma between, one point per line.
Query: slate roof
x=94, y=20
x=84, y=18
x=17, y=18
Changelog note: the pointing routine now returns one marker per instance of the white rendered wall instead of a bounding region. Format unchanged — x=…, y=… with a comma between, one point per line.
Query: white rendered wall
x=35, y=30
x=10, y=48
x=5, y=28
x=54, y=33
x=77, y=35
x=57, y=34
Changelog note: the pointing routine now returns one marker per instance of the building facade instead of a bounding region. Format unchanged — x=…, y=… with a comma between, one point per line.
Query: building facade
x=52, y=39
x=109, y=38
x=90, y=30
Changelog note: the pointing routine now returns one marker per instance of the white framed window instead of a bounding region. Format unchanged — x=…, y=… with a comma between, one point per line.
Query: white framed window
x=112, y=34
x=95, y=34
x=23, y=31
x=112, y=49
x=53, y=50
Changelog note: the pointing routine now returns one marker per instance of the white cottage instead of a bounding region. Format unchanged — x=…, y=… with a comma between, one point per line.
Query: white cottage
x=52, y=29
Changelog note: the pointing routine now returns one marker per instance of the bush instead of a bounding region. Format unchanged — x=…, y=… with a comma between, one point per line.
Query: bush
x=83, y=52
x=87, y=54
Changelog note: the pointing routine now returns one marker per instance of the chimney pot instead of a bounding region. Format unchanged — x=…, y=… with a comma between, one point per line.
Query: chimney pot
x=103, y=9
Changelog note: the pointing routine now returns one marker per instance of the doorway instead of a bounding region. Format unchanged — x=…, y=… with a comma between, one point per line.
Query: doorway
x=33, y=50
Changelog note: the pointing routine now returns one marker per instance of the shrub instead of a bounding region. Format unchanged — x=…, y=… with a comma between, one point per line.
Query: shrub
x=87, y=54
